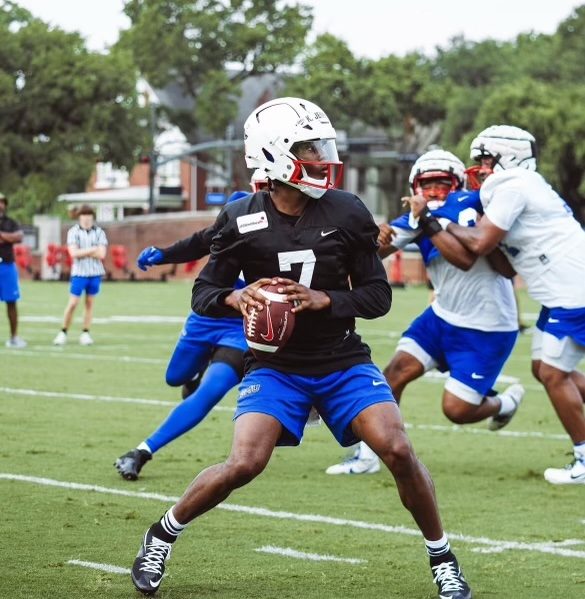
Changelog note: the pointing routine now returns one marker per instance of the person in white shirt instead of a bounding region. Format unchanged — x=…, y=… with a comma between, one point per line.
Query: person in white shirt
x=87, y=244
x=546, y=246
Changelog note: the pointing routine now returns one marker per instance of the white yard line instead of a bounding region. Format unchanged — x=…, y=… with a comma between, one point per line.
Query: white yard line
x=315, y=557
x=156, y=319
x=96, y=566
x=60, y=354
x=557, y=548
x=445, y=428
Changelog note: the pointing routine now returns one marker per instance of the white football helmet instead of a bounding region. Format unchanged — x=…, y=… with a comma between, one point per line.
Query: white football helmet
x=510, y=147
x=271, y=131
x=437, y=164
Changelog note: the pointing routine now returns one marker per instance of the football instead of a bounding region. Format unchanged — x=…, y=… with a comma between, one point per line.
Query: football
x=268, y=330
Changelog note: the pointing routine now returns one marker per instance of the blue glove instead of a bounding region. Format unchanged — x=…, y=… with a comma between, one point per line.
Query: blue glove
x=148, y=257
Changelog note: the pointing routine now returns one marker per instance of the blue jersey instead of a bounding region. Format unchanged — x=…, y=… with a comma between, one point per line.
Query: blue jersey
x=461, y=207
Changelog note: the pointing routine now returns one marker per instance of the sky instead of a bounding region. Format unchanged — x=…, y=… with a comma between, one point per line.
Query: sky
x=371, y=28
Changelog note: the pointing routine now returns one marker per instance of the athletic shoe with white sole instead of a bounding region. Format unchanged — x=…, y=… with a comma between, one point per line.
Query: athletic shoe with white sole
x=572, y=474
x=16, y=343
x=130, y=464
x=85, y=339
x=449, y=579
x=149, y=565
x=60, y=339
x=355, y=465
x=515, y=392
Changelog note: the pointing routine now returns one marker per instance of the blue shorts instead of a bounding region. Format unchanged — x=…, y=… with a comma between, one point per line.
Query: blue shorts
x=91, y=285
x=338, y=397
x=542, y=318
x=474, y=358
x=227, y=332
x=564, y=322
x=9, y=290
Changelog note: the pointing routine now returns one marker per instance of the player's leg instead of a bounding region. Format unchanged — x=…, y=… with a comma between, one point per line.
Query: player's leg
x=475, y=359
x=255, y=437
x=224, y=372
x=76, y=288
x=357, y=407
x=263, y=420
x=559, y=360
x=10, y=293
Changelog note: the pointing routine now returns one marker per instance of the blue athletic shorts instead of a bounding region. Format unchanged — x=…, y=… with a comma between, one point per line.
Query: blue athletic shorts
x=564, y=322
x=474, y=358
x=338, y=397
x=9, y=290
x=91, y=285
x=542, y=318
x=227, y=332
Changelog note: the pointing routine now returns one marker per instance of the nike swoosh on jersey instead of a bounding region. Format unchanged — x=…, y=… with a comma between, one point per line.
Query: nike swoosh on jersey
x=553, y=320
x=376, y=383
x=325, y=233
x=462, y=198
x=476, y=376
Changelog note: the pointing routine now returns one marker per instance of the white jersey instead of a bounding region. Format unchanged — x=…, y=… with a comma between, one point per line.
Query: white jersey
x=544, y=243
x=479, y=298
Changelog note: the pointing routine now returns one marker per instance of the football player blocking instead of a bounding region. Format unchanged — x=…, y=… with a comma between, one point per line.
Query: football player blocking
x=472, y=323
x=308, y=239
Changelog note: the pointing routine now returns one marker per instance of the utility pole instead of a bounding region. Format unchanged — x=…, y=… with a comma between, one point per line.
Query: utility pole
x=152, y=165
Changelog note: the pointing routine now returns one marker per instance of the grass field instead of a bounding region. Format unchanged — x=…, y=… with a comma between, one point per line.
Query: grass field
x=67, y=413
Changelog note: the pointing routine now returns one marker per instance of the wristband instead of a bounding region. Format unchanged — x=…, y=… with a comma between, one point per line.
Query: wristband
x=429, y=224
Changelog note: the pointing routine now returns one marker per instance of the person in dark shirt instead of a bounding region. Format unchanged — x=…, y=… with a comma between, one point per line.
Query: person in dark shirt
x=318, y=245
x=10, y=234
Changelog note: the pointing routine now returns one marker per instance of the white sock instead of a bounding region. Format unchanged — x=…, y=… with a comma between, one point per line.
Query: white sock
x=507, y=404
x=579, y=451
x=171, y=525
x=144, y=447
x=365, y=453
x=438, y=547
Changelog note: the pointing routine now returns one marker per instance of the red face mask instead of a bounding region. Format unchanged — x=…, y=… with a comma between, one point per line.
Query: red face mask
x=476, y=175
x=435, y=187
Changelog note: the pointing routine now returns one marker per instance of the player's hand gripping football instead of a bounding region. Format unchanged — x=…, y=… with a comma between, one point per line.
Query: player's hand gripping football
x=249, y=297
x=303, y=297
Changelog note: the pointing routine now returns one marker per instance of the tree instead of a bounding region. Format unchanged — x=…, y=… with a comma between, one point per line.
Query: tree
x=61, y=109
x=208, y=47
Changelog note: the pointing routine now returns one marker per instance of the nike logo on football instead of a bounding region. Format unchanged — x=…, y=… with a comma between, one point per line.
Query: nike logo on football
x=376, y=383
x=269, y=336
x=476, y=376
x=554, y=320
x=325, y=233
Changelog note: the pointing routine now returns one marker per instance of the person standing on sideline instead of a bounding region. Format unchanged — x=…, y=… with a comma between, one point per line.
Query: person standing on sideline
x=10, y=234
x=545, y=244
x=322, y=238
x=86, y=243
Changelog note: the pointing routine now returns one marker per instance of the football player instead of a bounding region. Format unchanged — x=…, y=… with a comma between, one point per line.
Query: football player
x=207, y=360
x=546, y=246
x=310, y=239
x=471, y=325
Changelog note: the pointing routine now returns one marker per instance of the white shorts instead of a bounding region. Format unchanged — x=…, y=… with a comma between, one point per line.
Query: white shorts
x=563, y=354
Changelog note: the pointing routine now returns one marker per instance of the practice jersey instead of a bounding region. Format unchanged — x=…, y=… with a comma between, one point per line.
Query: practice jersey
x=478, y=298
x=8, y=225
x=333, y=241
x=85, y=239
x=544, y=242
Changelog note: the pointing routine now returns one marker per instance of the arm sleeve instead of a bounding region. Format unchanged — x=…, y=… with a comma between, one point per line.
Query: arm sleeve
x=370, y=295
x=191, y=248
x=218, y=277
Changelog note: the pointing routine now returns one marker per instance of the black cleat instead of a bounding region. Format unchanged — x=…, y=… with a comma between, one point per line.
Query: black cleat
x=191, y=386
x=450, y=580
x=130, y=464
x=149, y=565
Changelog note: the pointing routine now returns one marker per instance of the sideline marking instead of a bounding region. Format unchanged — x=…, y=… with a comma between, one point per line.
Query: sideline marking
x=559, y=548
x=445, y=428
x=96, y=566
x=113, y=319
x=316, y=557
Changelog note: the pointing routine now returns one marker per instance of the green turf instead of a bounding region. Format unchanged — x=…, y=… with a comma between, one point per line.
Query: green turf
x=490, y=486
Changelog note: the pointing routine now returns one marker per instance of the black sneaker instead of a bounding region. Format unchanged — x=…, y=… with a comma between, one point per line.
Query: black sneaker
x=149, y=565
x=130, y=464
x=450, y=580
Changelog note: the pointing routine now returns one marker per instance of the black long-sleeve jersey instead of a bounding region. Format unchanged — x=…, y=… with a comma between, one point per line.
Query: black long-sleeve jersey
x=190, y=248
x=332, y=243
